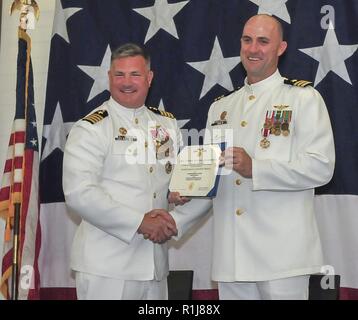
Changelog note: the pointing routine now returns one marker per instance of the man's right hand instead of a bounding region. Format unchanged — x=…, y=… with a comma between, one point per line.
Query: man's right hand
x=158, y=226
x=174, y=197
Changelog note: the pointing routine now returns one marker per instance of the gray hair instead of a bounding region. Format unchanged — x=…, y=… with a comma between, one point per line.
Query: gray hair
x=130, y=50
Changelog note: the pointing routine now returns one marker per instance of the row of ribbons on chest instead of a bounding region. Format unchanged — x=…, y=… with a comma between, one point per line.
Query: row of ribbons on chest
x=277, y=122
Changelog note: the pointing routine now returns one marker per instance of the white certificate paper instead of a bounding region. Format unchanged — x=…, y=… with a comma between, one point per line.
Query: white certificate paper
x=196, y=171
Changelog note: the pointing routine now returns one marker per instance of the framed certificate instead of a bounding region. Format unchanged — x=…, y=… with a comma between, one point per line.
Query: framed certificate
x=196, y=173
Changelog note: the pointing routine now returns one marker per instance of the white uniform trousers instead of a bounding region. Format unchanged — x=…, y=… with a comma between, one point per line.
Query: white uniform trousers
x=94, y=287
x=293, y=288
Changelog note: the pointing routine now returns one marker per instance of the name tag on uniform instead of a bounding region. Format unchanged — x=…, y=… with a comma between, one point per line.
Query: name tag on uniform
x=126, y=138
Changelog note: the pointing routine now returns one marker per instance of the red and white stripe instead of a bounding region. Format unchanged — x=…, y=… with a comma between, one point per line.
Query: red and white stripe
x=20, y=185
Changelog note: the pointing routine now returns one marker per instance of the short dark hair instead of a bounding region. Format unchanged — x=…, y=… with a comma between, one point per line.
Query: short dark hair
x=130, y=50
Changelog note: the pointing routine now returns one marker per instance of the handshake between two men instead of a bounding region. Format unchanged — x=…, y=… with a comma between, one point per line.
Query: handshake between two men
x=158, y=225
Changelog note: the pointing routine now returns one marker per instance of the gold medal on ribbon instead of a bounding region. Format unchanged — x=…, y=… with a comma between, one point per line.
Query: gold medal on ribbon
x=277, y=130
x=284, y=129
x=268, y=127
x=264, y=143
x=286, y=123
x=277, y=123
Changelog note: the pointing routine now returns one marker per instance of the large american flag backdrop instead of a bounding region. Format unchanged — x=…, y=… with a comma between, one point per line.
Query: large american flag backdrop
x=195, y=49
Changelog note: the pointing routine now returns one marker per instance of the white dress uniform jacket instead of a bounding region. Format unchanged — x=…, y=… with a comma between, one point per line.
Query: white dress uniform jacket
x=117, y=166
x=265, y=226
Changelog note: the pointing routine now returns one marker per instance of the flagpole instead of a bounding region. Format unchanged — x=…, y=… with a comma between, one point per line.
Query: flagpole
x=15, y=265
x=29, y=10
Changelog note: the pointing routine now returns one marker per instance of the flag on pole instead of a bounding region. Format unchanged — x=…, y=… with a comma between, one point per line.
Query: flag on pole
x=19, y=186
x=195, y=49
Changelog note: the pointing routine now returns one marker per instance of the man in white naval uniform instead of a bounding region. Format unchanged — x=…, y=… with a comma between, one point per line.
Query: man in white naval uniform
x=116, y=170
x=265, y=236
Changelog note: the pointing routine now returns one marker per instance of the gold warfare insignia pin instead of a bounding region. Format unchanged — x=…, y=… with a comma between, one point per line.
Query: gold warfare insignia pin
x=223, y=115
x=281, y=107
x=222, y=119
x=122, y=131
x=122, y=134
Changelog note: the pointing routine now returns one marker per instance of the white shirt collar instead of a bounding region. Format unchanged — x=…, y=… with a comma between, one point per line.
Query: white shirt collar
x=128, y=113
x=256, y=89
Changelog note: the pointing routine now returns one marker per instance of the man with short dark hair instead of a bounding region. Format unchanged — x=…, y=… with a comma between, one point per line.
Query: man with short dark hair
x=117, y=165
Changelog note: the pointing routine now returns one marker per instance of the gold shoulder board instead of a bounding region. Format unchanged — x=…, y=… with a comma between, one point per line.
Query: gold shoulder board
x=225, y=95
x=96, y=116
x=298, y=83
x=162, y=113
